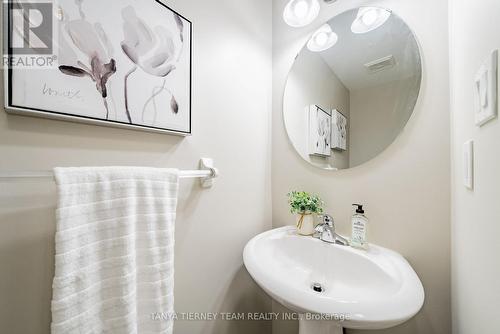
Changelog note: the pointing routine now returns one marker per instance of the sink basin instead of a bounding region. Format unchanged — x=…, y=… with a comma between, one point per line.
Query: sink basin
x=358, y=289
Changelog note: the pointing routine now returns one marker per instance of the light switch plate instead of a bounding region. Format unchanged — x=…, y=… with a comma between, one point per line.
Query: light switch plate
x=468, y=157
x=485, y=90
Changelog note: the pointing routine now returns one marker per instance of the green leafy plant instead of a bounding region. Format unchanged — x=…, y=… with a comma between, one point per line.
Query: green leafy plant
x=304, y=203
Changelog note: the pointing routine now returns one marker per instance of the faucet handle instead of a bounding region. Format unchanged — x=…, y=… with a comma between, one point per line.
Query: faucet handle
x=320, y=228
x=328, y=220
x=326, y=225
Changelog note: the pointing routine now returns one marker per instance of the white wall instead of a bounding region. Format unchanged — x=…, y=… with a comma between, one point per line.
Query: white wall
x=406, y=188
x=378, y=113
x=312, y=81
x=231, y=123
x=474, y=28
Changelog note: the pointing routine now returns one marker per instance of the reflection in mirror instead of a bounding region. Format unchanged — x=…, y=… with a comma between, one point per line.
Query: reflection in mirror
x=352, y=88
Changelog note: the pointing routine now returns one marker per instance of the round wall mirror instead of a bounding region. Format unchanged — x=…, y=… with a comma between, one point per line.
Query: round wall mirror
x=352, y=88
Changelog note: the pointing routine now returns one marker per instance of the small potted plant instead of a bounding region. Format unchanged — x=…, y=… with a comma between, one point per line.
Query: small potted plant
x=306, y=207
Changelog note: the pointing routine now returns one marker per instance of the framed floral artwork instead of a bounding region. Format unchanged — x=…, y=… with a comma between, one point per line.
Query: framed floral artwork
x=339, y=130
x=123, y=63
x=320, y=122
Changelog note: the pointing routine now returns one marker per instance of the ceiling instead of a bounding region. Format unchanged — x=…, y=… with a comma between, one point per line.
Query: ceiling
x=352, y=51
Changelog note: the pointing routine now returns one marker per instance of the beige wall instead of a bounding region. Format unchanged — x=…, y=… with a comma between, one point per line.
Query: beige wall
x=378, y=114
x=406, y=188
x=474, y=30
x=311, y=81
x=231, y=123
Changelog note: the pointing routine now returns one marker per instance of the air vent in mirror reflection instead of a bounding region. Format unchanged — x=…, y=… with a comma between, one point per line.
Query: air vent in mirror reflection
x=381, y=64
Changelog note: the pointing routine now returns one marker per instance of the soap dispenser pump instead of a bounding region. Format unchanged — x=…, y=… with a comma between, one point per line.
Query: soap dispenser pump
x=359, y=237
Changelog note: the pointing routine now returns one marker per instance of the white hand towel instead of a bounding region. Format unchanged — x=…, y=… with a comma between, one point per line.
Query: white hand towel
x=114, y=250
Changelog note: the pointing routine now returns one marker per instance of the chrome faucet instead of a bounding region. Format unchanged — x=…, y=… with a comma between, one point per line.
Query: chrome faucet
x=325, y=231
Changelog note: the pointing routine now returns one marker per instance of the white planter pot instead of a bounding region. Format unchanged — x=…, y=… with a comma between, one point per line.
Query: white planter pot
x=305, y=224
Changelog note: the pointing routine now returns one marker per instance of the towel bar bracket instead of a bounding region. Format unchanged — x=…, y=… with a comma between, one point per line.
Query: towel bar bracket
x=208, y=164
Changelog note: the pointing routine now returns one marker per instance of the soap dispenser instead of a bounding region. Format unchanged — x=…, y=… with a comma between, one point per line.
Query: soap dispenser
x=359, y=237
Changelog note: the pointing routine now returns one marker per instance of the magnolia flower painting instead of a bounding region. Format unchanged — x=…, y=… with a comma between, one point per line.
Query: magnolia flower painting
x=122, y=63
x=99, y=66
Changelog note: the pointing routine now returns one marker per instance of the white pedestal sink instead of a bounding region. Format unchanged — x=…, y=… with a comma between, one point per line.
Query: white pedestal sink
x=372, y=289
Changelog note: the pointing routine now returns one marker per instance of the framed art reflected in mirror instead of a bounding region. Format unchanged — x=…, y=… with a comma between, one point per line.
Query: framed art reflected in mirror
x=339, y=131
x=319, y=131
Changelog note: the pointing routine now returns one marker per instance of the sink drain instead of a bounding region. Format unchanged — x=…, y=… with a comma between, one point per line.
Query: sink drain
x=317, y=287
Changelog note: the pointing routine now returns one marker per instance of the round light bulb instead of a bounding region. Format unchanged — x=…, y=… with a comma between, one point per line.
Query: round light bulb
x=369, y=17
x=299, y=13
x=321, y=39
x=301, y=8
